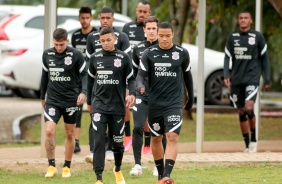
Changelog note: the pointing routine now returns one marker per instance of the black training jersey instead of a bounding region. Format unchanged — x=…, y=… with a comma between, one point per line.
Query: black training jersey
x=248, y=53
x=61, y=76
x=165, y=69
x=135, y=32
x=93, y=43
x=136, y=57
x=78, y=40
x=108, y=72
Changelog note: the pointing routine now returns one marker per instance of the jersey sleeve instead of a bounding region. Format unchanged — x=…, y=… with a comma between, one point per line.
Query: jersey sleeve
x=129, y=76
x=44, y=77
x=90, y=79
x=82, y=71
x=143, y=65
x=125, y=47
x=227, y=58
x=89, y=46
x=186, y=66
x=264, y=58
x=73, y=40
x=135, y=61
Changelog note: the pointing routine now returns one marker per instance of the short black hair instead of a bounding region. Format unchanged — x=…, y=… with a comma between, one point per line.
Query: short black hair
x=144, y=2
x=85, y=9
x=165, y=25
x=107, y=30
x=60, y=34
x=244, y=11
x=107, y=9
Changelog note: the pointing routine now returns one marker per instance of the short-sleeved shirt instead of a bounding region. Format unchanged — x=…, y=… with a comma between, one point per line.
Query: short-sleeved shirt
x=64, y=71
x=165, y=70
x=108, y=72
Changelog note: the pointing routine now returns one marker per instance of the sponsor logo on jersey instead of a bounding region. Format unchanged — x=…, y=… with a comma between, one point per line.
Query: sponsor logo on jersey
x=51, y=53
x=51, y=111
x=103, y=78
x=252, y=41
x=117, y=63
x=165, y=56
x=120, y=55
x=118, y=138
x=77, y=33
x=100, y=65
x=250, y=88
x=179, y=48
x=96, y=117
x=83, y=40
x=55, y=75
x=131, y=34
x=156, y=56
x=52, y=64
x=152, y=49
x=235, y=34
x=141, y=45
x=68, y=60
x=156, y=126
x=99, y=55
x=138, y=101
x=71, y=110
x=175, y=55
x=132, y=25
x=240, y=53
x=161, y=70
x=173, y=118
x=69, y=53
x=236, y=43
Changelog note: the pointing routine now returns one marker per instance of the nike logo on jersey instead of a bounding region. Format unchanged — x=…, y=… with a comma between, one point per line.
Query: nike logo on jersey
x=77, y=40
x=156, y=56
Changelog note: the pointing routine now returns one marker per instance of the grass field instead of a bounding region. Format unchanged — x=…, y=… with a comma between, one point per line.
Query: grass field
x=183, y=173
x=217, y=127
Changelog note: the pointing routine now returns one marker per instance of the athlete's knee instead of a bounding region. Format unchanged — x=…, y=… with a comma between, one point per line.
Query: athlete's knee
x=49, y=132
x=118, y=148
x=138, y=130
x=70, y=135
x=242, y=116
x=250, y=114
x=172, y=137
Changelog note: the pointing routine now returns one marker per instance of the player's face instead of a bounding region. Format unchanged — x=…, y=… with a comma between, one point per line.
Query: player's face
x=165, y=38
x=106, y=19
x=60, y=45
x=151, y=31
x=245, y=21
x=85, y=19
x=108, y=41
x=142, y=12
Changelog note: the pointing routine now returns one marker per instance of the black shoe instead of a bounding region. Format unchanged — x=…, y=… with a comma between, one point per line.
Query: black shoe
x=76, y=148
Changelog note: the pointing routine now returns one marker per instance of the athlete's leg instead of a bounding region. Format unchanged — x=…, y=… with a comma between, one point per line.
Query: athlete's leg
x=50, y=128
x=127, y=131
x=77, y=129
x=70, y=140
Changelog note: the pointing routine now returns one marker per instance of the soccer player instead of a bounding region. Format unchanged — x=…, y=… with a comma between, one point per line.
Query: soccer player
x=248, y=52
x=64, y=78
x=78, y=41
x=135, y=33
x=166, y=65
x=93, y=44
x=140, y=110
x=109, y=70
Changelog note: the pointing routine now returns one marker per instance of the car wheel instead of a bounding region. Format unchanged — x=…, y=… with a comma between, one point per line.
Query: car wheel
x=25, y=93
x=216, y=93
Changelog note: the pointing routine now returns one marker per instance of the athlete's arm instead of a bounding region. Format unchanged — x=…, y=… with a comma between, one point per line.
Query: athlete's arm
x=265, y=62
x=142, y=72
x=89, y=46
x=44, y=78
x=135, y=61
x=72, y=40
x=90, y=80
x=125, y=46
x=226, y=64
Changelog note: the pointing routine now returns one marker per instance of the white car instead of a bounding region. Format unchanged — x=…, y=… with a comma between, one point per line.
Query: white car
x=27, y=22
x=21, y=62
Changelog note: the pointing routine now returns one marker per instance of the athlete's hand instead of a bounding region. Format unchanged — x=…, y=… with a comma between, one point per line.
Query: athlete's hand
x=189, y=105
x=130, y=101
x=43, y=103
x=266, y=87
x=142, y=90
x=89, y=108
x=81, y=99
x=227, y=83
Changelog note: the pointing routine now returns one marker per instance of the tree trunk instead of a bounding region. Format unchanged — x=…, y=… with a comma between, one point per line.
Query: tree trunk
x=277, y=4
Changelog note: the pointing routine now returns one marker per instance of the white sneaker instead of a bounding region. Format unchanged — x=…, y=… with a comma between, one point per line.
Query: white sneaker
x=253, y=147
x=246, y=150
x=89, y=158
x=155, y=171
x=110, y=155
x=136, y=170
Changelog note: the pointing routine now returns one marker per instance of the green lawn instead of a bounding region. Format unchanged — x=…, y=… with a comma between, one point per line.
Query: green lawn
x=183, y=173
x=217, y=127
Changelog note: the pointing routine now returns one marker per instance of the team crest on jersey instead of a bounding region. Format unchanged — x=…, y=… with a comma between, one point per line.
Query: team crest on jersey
x=175, y=55
x=117, y=63
x=252, y=41
x=51, y=112
x=156, y=126
x=138, y=100
x=97, y=117
x=234, y=97
x=68, y=60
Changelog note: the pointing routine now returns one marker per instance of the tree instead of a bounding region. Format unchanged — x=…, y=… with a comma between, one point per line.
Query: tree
x=277, y=4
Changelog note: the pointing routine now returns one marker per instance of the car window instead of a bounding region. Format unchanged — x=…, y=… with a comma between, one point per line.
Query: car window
x=38, y=22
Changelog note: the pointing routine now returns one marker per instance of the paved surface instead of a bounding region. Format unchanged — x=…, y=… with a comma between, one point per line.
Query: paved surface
x=224, y=151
